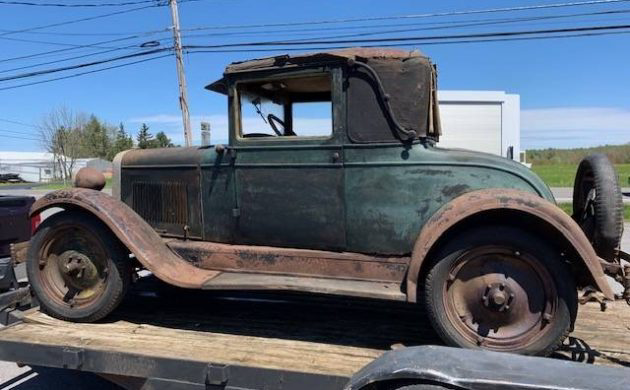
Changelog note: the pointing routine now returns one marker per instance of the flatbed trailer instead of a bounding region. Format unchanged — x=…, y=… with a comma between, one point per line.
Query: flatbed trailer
x=176, y=339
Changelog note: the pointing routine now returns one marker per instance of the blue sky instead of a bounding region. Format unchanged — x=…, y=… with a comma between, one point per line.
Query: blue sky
x=574, y=92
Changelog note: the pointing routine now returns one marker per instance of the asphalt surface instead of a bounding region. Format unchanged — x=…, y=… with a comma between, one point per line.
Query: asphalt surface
x=565, y=194
x=38, y=378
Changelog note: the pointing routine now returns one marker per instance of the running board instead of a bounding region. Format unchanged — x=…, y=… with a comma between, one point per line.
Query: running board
x=357, y=288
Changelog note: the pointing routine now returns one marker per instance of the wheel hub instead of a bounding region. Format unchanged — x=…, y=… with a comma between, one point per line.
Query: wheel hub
x=498, y=297
x=77, y=269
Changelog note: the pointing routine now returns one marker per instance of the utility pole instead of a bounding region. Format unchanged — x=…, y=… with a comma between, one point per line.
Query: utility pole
x=183, y=95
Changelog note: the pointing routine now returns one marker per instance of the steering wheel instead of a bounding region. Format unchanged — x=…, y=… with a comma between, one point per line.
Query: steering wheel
x=271, y=118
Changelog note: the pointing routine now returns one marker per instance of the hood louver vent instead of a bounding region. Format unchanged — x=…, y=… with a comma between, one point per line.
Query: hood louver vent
x=164, y=202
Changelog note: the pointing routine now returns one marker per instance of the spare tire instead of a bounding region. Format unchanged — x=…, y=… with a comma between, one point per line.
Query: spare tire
x=598, y=204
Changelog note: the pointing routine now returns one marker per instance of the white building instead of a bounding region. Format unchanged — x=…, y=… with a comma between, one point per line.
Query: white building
x=31, y=166
x=41, y=167
x=484, y=121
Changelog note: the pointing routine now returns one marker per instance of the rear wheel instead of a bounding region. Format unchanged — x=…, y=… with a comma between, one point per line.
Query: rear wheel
x=78, y=270
x=503, y=289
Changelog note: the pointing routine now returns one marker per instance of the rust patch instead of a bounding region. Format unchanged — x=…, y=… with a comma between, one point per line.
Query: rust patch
x=288, y=261
x=135, y=233
x=474, y=202
x=454, y=190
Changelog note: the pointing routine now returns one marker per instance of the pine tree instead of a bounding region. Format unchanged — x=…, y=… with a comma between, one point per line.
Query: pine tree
x=122, y=142
x=96, y=141
x=144, y=138
x=162, y=141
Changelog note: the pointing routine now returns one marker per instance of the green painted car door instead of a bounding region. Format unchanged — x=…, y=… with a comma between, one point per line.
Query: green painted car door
x=290, y=194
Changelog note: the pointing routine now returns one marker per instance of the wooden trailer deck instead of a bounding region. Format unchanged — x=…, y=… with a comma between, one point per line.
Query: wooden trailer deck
x=297, y=333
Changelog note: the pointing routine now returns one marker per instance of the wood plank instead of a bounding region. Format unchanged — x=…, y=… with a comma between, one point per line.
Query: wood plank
x=220, y=348
x=600, y=337
x=304, y=333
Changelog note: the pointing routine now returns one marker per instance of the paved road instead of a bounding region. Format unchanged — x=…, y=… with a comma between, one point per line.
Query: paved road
x=27, y=378
x=565, y=194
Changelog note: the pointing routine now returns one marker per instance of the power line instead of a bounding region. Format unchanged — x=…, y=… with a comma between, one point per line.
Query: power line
x=16, y=137
x=320, y=48
x=15, y=132
x=418, y=38
x=441, y=25
x=88, y=45
x=83, y=65
x=30, y=3
x=84, y=5
x=18, y=123
x=201, y=28
x=78, y=34
x=408, y=44
x=72, y=45
x=498, y=34
x=67, y=59
x=412, y=16
x=83, y=73
x=73, y=21
x=451, y=25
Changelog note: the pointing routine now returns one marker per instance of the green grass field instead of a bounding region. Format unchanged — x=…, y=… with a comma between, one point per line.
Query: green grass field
x=562, y=175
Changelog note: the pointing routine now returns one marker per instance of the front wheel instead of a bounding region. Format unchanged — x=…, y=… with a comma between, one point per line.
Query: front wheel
x=502, y=289
x=77, y=269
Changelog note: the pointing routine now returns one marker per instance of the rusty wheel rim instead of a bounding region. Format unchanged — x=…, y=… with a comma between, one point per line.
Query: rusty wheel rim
x=500, y=299
x=73, y=266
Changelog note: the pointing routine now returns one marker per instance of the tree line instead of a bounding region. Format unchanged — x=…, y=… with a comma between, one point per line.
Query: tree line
x=70, y=135
x=618, y=154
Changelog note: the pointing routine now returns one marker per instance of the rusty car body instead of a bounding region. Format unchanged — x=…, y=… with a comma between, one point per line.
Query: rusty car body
x=368, y=208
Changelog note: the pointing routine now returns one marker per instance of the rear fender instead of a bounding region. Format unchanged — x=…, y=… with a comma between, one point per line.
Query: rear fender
x=133, y=231
x=471, y=203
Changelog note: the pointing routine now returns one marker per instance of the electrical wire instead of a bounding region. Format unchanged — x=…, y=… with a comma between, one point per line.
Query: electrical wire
x=367, y=33
x=458, y=24
x=415, y=39
x=18, y=123
x=83, y=65
x=413, y=16
x=65, y=44
x=317, y=48
x=30, y=3
x=73, y=21
x=441, y=27
x=88, y=45
x=83, y=73
x=406, y=44
x=16, y=137
x=68, y=59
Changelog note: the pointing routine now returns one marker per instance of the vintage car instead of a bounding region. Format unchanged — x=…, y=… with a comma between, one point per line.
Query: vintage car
x=360, y=203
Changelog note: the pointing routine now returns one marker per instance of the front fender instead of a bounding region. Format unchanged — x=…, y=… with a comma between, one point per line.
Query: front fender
x=475, y=202
x=133, y=231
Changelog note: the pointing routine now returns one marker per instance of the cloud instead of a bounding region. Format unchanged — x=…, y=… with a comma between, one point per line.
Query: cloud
x=557, y=127
x=566, y=127
x=172, y=126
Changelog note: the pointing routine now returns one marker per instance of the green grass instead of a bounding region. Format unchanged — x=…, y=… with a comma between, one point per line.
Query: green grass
x=61, y=186
x=568, y=208
x=562, y=175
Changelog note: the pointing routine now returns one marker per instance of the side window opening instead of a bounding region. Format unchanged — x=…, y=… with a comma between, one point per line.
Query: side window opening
x=291, y=107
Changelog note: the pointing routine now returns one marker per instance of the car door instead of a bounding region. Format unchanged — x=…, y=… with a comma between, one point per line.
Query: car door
x=290, y=187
